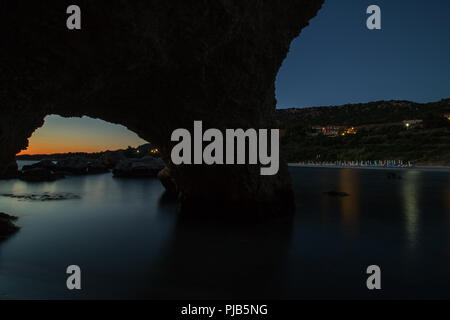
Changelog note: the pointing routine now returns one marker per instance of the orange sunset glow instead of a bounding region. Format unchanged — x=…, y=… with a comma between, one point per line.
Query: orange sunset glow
x=63, y=135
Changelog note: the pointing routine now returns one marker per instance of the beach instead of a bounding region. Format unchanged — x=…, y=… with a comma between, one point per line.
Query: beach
x=416, y=167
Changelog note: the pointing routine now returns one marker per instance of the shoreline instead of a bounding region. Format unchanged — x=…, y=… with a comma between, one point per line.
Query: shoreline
x=333, y=166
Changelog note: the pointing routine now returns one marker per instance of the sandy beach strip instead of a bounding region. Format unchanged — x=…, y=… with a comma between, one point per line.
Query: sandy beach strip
x=333, y=166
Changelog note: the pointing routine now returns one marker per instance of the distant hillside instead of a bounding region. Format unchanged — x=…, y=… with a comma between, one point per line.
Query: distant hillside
x=130, y=152
x=362, y=113
x=379, y=132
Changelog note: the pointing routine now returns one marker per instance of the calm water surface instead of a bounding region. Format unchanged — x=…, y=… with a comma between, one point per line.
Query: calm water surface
x=130, y=243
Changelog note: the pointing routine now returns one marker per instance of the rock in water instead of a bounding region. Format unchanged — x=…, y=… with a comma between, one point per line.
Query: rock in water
x=42, y=171
x=73, y=165
x=147, y=167
x=168, y=181
x=337, y=194
x=46, y=170
x=45, y=164
x=7, y=216
x=393, y=175
x=111, y=158
x=42, y=196
x=97, y=167
x=11, y=171
x=7, y=227
x=40, y=175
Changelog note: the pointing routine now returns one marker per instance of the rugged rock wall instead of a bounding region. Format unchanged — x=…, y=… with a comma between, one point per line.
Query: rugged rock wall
x=153, y=66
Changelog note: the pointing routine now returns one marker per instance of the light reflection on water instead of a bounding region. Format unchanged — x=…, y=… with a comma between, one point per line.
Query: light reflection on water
x=131, y=244
x=348, y=182
x=446, y=198
x=410, y=197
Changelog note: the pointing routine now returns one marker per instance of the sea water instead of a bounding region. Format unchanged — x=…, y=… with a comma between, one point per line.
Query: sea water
x=130, y=243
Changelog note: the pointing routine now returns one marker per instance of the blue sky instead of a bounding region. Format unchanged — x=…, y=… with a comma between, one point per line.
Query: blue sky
x=337, y=60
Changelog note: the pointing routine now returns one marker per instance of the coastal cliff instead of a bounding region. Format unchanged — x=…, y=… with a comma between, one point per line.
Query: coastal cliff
x=155, y=66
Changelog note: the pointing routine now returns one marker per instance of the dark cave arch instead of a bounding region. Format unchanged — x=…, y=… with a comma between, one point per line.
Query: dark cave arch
x=154, y=66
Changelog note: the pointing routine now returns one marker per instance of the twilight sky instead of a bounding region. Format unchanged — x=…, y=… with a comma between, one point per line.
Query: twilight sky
x=79, y=135
x=336, y=60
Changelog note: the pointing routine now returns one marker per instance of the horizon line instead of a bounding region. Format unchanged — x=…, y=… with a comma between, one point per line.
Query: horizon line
x=355, y=103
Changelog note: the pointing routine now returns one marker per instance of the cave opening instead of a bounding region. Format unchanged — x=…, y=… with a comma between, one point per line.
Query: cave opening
x=73, y=146
x=60, y=135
